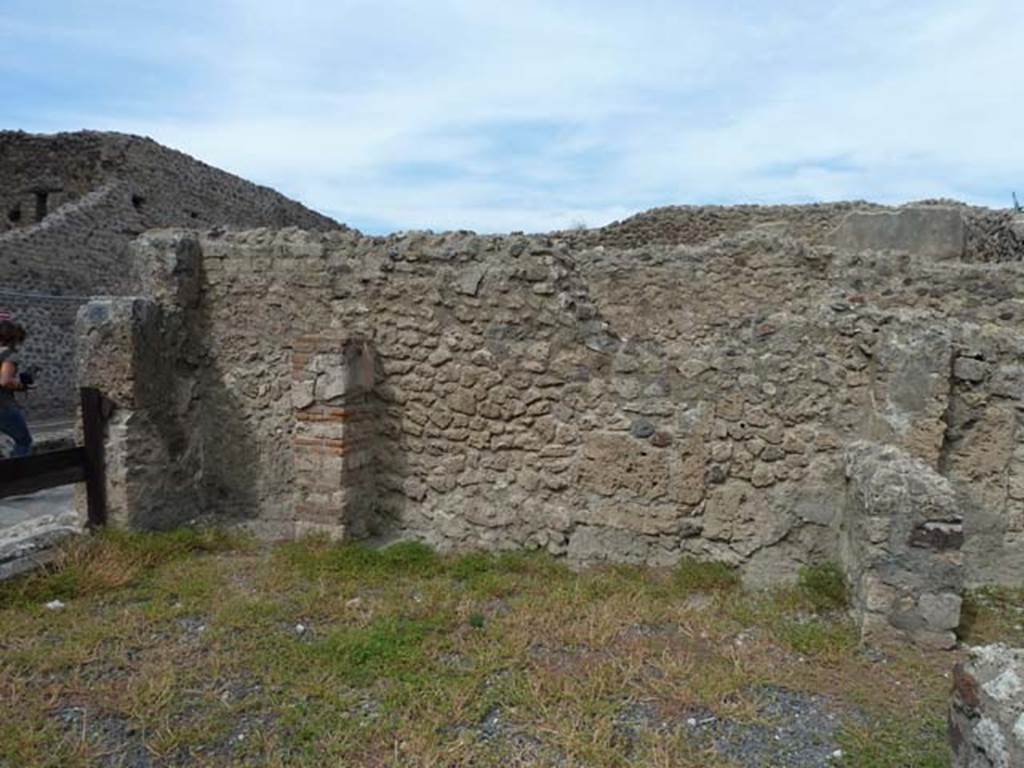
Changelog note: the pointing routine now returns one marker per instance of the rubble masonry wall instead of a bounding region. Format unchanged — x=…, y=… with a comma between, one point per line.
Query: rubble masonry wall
x=635, y=405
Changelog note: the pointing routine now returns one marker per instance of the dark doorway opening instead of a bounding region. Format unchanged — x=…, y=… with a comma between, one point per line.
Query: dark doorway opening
x=41, y=201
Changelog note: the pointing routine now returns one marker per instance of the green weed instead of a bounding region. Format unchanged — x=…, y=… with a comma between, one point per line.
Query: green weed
x=816, y=637
x=317, y=557
x=823, y=586
x=692, y=575
x=890, y=744
x=388, y=647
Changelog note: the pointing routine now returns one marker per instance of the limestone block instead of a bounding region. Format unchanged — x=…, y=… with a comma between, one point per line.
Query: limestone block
x=935, y=232
x=986, y=716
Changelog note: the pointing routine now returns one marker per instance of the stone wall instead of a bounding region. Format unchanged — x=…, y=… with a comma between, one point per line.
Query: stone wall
x=112, y=188
x=634, y=405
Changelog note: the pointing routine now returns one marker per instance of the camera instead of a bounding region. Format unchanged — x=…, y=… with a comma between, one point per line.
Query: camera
x=27, y=379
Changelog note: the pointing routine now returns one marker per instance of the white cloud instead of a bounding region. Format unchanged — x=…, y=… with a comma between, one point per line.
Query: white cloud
x=535, y=115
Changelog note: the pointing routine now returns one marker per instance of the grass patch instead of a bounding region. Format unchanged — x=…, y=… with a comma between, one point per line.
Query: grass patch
x=388, y=646
x=314, y=653
x=315, y=557
x=111, y=560
x=882, y=744
x=692, y=575
x=824, y=639
x=992, y=614
x=823, y=586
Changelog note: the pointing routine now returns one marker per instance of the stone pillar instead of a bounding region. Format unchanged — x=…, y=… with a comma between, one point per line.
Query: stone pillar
x=134, y=350
x=336, y=425
x=986, y=719
x=900, y=538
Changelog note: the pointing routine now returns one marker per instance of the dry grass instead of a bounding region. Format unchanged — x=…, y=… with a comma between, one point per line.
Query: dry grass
x=194, y=649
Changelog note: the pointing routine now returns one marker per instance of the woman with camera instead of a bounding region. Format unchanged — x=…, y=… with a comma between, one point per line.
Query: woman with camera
x=12, y=421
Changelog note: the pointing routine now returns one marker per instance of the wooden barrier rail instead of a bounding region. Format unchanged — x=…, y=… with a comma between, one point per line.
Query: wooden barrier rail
x=83, y=463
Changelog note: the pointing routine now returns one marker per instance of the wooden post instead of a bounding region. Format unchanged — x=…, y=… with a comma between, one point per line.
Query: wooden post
x=95, y=470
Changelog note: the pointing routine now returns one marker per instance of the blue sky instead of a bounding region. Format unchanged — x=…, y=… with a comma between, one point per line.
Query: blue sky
x=498, y=116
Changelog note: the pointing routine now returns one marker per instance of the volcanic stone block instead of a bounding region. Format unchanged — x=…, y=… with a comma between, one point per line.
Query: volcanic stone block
x=900, y=542
x=986, y=718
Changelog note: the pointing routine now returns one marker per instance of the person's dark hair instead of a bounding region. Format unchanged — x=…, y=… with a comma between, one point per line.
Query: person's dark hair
x=11, y=332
